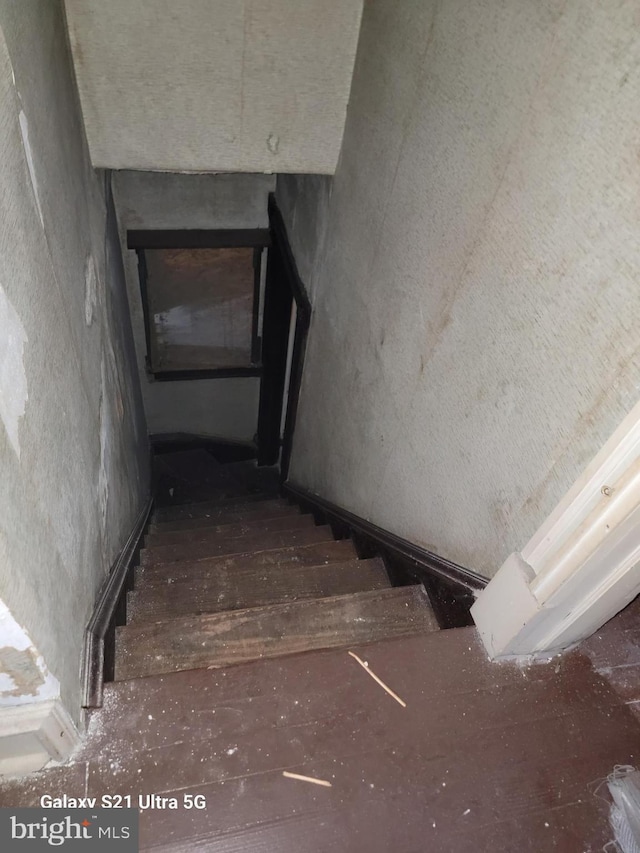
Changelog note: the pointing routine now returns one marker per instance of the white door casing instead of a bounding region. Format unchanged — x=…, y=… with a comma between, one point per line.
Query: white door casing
x=580, y=567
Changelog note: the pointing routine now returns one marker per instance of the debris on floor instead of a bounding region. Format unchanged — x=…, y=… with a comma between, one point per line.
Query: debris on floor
x=624, y=787
x=365, y=666
x=306, y=779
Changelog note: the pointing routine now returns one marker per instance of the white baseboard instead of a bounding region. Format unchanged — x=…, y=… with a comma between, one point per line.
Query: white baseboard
x=506, y=607
x=33, y=734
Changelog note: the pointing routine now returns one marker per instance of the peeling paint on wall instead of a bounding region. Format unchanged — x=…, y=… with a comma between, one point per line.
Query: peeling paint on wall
x=56, y=550
x=24, y=676
x=13, y=379
x=20, y=670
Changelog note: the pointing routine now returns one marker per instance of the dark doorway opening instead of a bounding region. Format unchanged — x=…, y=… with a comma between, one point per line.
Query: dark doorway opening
x=201, y=311
x=201, y=299
x=227, y=303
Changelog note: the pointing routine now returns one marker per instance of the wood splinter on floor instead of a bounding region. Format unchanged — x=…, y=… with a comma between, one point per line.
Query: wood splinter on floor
x=306, y=779
x=379, y=680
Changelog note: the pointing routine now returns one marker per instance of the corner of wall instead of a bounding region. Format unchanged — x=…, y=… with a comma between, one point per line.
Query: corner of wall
x=33, y=735
x=35, y=727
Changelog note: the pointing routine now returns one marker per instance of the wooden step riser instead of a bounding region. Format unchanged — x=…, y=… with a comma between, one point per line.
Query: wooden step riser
x=199, y=508
x=275, y=509
x=245, y=635
x=238, y=590
x=228, y=531
x=235, y=545
x=281, y=558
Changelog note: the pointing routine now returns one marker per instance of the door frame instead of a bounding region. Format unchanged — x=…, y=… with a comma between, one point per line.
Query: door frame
x=580, y=568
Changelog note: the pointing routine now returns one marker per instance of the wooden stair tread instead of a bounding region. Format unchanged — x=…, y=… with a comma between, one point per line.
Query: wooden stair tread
x=234, y=545
x=188, y=475
x=239, y=589
x=283, y=558
x=195, y=508
x=254, y=478
x=175, y=493
x=221, y=639
x=192, y=468
x=247, y=527
x=227, y=515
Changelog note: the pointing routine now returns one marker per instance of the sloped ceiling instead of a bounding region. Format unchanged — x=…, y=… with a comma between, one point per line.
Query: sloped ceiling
x=214, y=85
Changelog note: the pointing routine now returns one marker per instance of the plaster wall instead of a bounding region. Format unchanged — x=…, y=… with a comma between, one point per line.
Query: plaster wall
x=214, y=85
x=304, y=202
x=476, y=303
x=219, y=408
x=73, y=447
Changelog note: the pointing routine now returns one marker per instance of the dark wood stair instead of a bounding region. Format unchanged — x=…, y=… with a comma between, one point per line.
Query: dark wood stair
x=320, y=553
x=234, y=544
x=194, y=516
x=220, y=639
x=205, y=508
x=240, y=588
x=238, y=575
x=229, y=530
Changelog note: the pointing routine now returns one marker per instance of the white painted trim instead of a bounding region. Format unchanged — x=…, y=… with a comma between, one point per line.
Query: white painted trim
x=581, y=566
x=509, y=606
x=287, y=370
x=34, y=734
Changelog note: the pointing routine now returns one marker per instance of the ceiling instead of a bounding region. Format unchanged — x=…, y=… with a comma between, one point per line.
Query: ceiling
x=214, y=85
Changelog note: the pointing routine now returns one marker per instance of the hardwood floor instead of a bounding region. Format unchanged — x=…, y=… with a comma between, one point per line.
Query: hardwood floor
x=234, y=667
x=614, y=651
x=483, y=757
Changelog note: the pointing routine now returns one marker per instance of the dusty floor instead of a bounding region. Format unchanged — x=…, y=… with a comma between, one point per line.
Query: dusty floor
x=483, y=757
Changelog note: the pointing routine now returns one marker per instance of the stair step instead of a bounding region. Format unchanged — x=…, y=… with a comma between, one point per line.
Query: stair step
x=255, y=479
x=250, y=527
x=234, y=545
x=241, y=589
x=282, y=558
x=221, y=515
x=197, y=509
x=192, y=469
x=221, y=639
x=188, y=475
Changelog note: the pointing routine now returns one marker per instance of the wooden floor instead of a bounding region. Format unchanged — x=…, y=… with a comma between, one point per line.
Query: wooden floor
x=233, y=667
x=483, y=757
x=614, y=651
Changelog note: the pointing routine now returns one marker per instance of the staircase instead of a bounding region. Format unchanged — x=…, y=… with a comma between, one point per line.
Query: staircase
x=240, y=574
x=238, y=720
